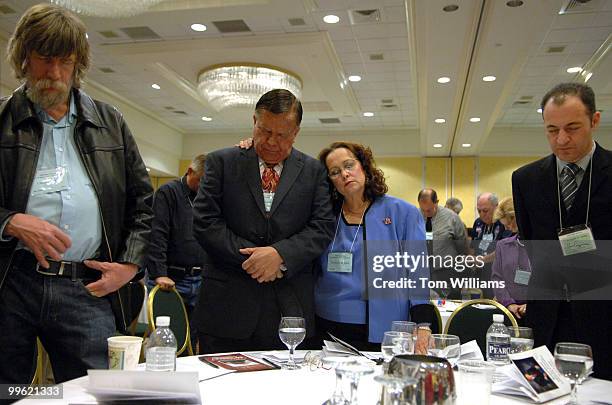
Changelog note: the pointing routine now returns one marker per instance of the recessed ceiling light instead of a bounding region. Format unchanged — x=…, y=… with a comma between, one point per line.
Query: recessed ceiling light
x=439, y=120
x=466, y=145
x=331, y=19
x=205, y=118
x=443, y=79
x=489, y=78
x=368, y=114
x=575, y=69
x=155, y=86
x=514, y=3
x=450, y=8
x=148, y=170
x=539, y=111
x=87, y=35
x=437, y=145
x=474, y=119
x=198, y=27
x=588, y=76
x=354, y=78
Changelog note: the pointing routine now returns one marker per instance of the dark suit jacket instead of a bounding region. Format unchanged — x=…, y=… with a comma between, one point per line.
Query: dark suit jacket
x=556, y=278
x=229, y=215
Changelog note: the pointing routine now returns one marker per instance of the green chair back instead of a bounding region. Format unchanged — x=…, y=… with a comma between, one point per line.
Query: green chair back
x=427, y=313
x=470, y=322
x=169, y=303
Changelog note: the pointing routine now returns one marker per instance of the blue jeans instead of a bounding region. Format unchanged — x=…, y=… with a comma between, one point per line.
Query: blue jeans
x=72, y=325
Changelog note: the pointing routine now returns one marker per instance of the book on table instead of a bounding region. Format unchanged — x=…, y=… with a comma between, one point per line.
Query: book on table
x=238, y=362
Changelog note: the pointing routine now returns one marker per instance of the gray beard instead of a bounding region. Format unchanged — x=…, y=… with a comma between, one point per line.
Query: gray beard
x=36, y=93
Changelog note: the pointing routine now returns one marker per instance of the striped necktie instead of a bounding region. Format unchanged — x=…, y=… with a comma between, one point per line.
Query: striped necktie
x=568, y=184
x=269, y=179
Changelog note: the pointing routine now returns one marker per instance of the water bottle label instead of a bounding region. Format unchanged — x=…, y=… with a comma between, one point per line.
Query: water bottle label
x=498, y=351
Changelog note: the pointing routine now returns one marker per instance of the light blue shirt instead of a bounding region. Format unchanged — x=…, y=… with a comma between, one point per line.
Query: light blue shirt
x=74, y=209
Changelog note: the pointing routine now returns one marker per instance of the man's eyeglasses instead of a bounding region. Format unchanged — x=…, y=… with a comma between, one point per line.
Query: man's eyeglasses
x=348, y=165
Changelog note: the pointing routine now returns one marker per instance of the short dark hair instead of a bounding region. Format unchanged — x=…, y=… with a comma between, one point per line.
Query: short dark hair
x=49, y=30
x=428, y=192
x=375, y=185
x=560, y=92
x=280, y=101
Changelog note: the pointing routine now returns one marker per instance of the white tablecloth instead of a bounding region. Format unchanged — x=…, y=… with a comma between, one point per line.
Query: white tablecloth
x=297, y=387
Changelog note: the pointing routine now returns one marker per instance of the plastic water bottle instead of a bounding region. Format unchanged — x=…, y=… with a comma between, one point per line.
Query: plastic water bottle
x=161, y=347
x=498, y=341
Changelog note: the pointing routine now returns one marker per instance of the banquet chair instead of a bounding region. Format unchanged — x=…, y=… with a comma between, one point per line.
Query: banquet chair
x=428, y=313
x=138, y=328
x=471, y=320
x=169, y=303
x=38, y=362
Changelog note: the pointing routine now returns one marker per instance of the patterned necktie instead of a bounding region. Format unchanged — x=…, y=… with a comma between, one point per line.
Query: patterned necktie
x=568, y=184
x=269, y=179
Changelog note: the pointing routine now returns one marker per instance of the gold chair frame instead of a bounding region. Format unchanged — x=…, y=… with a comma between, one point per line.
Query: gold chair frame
x=187, y=343
x=483, y=301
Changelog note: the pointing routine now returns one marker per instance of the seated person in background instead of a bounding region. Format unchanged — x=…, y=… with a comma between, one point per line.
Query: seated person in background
x=511, y=263
x=363, y=213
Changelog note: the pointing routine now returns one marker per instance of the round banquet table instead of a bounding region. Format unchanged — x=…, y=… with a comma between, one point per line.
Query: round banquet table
x=300, y=387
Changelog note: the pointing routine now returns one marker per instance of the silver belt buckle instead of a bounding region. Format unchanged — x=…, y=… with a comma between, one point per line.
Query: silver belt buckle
x=46, y=273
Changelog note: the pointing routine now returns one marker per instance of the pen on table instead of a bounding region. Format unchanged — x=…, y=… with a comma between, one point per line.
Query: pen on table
x=276, y=366
x=210, y=363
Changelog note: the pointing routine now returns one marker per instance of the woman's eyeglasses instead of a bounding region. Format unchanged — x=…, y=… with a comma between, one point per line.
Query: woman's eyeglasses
x=348, y=165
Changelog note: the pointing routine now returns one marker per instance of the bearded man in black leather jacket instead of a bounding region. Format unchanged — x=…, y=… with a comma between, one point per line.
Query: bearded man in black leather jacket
x=74, y=225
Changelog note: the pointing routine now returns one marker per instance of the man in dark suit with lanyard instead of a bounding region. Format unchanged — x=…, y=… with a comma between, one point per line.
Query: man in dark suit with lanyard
x=563, y=206
x=264, y=216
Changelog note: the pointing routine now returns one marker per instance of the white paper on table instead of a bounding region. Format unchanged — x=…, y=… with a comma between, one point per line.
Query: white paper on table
x=205, y=371
x=335, y=347
x=471, y=351
x=108, y=385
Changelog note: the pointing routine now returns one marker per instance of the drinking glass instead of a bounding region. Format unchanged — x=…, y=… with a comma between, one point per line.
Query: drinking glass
x=403, y=326
x=387, y=346
x=337, y=397
x=403, y=345
x=521, y=339
x=575, y=362
x=354, y=372
x=291, y=331
x=445, y=346
x=393, y=388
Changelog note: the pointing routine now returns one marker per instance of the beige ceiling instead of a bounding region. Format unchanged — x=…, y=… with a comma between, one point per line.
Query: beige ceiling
x=400, y=57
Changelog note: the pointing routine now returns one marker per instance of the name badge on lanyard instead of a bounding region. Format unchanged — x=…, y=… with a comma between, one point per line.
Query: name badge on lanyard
x=340, y=262
x=50, y=180
x=428, y=235
x=577, y=239
x=268, y=199
x=487, y=238
x=521, y=276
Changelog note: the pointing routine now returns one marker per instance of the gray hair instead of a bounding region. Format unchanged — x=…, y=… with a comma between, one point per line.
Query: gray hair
x=454, y=204
x=492, y=198
x=197, y=164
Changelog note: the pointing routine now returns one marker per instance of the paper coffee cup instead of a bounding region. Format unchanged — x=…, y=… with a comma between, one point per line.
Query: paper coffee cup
x=123, y=352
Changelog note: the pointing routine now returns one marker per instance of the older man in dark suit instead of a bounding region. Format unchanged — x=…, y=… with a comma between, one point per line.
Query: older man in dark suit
x=563, y=206
x=264, y=215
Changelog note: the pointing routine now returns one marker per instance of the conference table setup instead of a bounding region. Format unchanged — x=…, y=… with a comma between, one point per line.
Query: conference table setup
x=312, y=383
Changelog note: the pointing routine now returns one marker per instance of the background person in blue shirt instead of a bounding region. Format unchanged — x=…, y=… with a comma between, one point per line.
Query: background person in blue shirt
x=363, y=213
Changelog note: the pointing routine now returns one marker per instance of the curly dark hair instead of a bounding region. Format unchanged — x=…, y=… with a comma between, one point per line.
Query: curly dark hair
x=375, y=185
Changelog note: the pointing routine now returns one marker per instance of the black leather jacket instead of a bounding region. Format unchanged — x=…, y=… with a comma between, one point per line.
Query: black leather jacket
x=112, y=161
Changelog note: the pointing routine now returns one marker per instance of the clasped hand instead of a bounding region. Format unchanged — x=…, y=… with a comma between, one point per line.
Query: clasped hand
x=263, y=263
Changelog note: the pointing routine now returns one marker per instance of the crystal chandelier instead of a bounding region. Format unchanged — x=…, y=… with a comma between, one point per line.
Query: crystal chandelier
x=242, y=84
x=107, y=8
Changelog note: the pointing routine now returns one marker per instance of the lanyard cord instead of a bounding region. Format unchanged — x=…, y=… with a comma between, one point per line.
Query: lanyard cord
x=356, y=232
x=586, y=223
